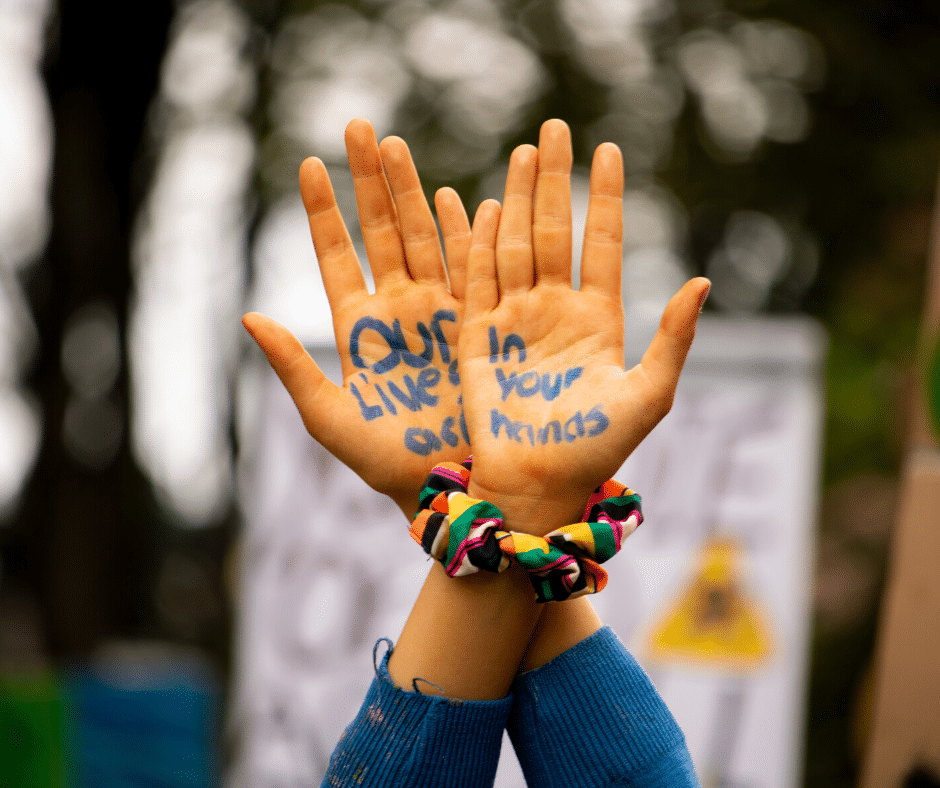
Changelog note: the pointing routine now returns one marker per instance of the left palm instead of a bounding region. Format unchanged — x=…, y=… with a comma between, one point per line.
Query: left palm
x=398, y=411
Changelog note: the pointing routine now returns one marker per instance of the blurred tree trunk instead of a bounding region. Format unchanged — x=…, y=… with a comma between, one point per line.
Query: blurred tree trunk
x=84, y=541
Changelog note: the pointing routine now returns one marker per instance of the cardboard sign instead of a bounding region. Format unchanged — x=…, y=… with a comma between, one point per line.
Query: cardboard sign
x=905, y=731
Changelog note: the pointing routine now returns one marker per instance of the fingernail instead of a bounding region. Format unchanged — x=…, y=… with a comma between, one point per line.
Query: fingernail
x=703, y=297
x=246, y=319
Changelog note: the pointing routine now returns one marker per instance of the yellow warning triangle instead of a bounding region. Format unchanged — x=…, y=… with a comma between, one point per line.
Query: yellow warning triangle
x=712, y=622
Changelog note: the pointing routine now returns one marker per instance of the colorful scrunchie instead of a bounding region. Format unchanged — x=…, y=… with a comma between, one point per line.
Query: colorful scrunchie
x=465, y=534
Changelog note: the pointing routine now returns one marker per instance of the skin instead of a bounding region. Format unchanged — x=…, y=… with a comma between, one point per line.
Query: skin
x=411, y=283
x=470, y=635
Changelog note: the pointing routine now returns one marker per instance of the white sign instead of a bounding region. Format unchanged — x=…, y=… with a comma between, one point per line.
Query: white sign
x=712, y=593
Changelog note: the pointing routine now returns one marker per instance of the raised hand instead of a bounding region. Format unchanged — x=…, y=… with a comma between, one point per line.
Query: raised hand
x=398, y=411
x=551, y=412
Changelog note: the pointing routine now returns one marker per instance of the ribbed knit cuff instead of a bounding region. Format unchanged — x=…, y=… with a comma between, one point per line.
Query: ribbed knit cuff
x=402, y=739
x=592, y=717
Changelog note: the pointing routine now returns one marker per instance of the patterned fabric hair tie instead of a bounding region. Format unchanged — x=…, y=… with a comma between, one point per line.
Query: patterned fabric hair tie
x=465, y=534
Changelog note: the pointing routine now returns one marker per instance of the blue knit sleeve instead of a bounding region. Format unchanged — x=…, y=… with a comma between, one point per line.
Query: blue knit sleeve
x=401, y=739
x=592, y=717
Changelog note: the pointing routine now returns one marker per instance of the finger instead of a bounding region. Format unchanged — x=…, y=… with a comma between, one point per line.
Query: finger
x=602, y=258
x=315, y=396
x=455, y=227
x=378, y=217
x=339, y=266
x=664, y=358
x=482, y=289
x=514, y=260
x=551, y=224
x=423, y=254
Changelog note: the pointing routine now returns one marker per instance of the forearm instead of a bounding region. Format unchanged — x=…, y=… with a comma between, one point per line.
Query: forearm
x=561, y=626
x=466, y=635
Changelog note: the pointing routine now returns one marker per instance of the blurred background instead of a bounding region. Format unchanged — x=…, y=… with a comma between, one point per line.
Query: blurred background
x=787, y=149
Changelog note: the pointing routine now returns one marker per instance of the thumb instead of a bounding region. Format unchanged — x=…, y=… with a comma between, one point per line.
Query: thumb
x=662, y=363
x=313, y=393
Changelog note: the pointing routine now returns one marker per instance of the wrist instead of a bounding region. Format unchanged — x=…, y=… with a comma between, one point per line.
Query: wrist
x=407, y=502
x=546, y=537
x=530, y=513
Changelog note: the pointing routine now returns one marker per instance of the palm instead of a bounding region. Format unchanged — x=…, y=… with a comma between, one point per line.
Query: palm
x=401, y=397
x=541, y=415
x=398, y=411
x=551, y=412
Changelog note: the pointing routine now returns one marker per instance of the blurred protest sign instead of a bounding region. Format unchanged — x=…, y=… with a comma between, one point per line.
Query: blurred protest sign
x=712, y=593
x=718, y=606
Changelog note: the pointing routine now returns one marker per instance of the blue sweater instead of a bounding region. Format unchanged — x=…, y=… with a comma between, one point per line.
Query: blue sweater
x=590, y=718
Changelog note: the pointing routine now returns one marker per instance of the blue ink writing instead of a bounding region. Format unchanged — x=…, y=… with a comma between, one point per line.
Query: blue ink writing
x=422, y=441
x=394, y=338
x=594, y=422
x=369, y=412
x=527, y=389
x=511, y=341
x=418, y=393
x=428, y=352
x=413, y=391
x=550, y=391
x=447, y=432
x=578, y=421
x=601, y=422
x=555, y=427
x=439, y=316
x=506, y=384
x=410, y=400
x=389, y=405
x=529, y=383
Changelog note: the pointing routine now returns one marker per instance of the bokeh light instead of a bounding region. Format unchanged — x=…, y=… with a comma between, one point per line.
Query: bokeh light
x=190, y=263
x=333, y=65
x=25, y=166
x=93, y=423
